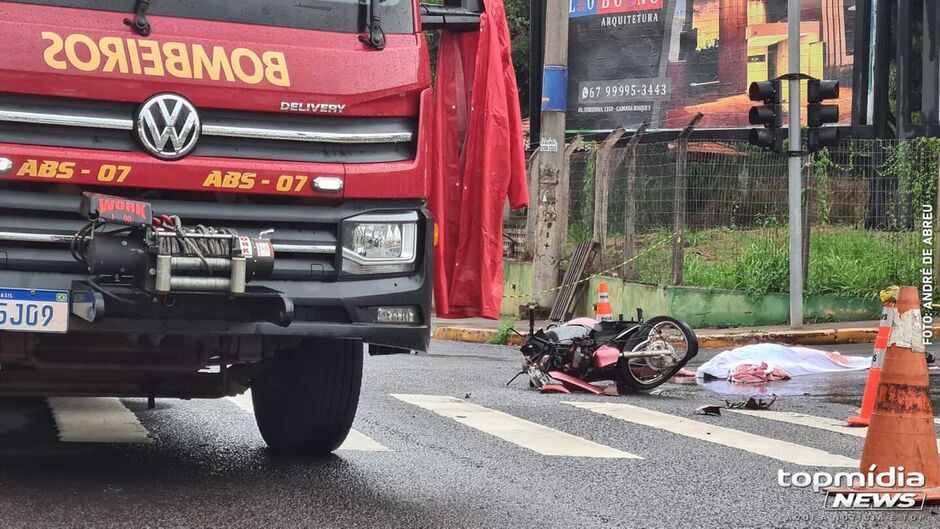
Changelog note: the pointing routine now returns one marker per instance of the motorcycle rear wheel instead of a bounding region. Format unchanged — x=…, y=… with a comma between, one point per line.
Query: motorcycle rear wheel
x=670, y=335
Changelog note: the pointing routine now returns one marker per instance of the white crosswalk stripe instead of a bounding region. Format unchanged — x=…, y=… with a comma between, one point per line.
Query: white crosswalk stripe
x=535, y=437
x=756, y=444
x=800, y=419
x=108, y=420
x=96, y=420
x=244, y=402
x=360, y=442
x=356, y=441
x=811, y=421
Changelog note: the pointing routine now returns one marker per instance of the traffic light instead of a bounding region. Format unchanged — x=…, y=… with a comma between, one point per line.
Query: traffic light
x=769, y=115
x=817, y=136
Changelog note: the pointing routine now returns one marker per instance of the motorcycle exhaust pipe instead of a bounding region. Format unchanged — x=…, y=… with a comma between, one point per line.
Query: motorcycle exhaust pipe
x=644, y=354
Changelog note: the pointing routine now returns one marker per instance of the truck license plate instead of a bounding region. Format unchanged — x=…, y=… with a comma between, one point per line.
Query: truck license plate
x=41, y=311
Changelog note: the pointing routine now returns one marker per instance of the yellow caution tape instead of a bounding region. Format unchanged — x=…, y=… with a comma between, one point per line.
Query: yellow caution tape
x=592, y=276
x=890, y=294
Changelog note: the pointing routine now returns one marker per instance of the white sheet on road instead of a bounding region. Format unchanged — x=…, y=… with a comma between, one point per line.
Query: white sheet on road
x=795, y=361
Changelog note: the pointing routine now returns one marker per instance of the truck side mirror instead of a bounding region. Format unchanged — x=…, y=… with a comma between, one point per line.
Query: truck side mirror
x=454, y=15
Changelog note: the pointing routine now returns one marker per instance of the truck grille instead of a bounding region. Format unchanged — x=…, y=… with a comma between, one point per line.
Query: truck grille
x=36, y=230
x=78, y=123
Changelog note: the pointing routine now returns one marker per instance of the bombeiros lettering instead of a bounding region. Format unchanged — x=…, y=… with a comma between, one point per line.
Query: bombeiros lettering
x=147, y=57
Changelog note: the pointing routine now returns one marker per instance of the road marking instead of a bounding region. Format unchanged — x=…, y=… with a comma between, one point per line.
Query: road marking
x=243, y=401
x=820, y=423
x=96, y=420
x=520, y=432
x=756, y=444
x=360, y=442
x=356, y=441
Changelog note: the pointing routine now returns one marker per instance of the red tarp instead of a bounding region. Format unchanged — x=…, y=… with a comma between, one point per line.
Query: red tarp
x=476, y=160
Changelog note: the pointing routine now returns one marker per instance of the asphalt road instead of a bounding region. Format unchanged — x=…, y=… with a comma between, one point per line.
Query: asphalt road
x=423, y=458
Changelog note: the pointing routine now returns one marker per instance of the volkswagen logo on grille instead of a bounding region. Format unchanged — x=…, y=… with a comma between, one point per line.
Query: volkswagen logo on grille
x=168, y=126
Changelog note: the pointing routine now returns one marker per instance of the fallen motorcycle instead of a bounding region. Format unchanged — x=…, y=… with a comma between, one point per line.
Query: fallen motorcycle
x=637, y=355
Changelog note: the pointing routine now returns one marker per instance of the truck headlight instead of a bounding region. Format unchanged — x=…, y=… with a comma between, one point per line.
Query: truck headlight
x=380, y=243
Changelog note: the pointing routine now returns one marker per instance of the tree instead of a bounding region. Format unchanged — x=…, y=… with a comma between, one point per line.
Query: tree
x=517, y=11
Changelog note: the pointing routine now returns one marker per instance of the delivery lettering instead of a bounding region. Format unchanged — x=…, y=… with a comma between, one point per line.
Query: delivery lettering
x=155, y=59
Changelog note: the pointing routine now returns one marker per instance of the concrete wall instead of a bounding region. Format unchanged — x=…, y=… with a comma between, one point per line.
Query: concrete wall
x=700, y=307
x=517, y=281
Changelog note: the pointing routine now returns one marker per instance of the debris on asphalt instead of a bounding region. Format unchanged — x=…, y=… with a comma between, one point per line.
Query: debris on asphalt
x=752, y=403
x=709, y=409
x=756, y=402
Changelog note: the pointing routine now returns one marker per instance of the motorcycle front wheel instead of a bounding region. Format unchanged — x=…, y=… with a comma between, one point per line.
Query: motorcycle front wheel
x=676, y=344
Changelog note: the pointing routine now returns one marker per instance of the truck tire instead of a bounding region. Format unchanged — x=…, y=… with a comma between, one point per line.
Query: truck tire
x=305, y=399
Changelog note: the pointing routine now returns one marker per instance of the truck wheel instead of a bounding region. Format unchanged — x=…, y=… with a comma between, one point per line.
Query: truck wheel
x=305, y=399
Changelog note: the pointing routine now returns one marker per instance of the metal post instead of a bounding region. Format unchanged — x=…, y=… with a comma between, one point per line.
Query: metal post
x=930, y=93
x=549, y=240
x=629, y=212
x=878, y=99
x=679, y=200
x=809, y=196
x=795, y=160
x=903, y=71
x=861, y=64
x=602, y=169
x=564, y=185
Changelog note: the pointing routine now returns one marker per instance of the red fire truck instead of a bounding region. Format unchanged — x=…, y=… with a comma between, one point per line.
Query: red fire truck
x=197, y=198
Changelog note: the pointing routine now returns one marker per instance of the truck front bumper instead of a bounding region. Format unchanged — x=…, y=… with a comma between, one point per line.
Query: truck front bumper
x=320, y=299
x=330, y=310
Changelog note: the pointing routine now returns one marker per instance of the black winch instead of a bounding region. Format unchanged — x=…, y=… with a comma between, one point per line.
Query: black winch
x=160, y=255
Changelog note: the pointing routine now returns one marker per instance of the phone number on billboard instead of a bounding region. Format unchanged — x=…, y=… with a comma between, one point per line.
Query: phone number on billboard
x=618, y=92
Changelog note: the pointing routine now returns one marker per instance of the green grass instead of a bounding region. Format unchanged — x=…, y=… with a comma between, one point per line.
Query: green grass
x=843, y=261
x=501, y=336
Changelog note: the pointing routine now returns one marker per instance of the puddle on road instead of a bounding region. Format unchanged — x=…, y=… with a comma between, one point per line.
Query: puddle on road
x=839, y=388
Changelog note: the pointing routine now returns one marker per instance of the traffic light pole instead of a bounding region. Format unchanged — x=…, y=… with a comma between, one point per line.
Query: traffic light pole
x=795, y=161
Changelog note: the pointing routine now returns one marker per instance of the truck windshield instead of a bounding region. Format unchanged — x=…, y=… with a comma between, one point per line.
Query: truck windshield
x=347, y=16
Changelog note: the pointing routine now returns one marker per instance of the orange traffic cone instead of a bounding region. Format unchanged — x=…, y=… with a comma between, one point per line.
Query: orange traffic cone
x=902, y=431
x=877, y=363
x=604, y=311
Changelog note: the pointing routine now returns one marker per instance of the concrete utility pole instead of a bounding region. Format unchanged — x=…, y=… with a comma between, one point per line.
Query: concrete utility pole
x=549, y=240
x=795, y=161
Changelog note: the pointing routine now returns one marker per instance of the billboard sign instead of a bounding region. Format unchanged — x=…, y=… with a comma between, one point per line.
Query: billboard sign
x=661, y=61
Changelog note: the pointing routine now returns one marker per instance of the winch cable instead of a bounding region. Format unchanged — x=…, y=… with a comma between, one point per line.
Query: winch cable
x=200, y=247
x=97, y=287
x=78, y=247
x=79, y=243
x=183, y=244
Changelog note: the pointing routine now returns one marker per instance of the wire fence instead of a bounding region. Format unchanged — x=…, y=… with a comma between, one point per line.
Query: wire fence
x=862, y=215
